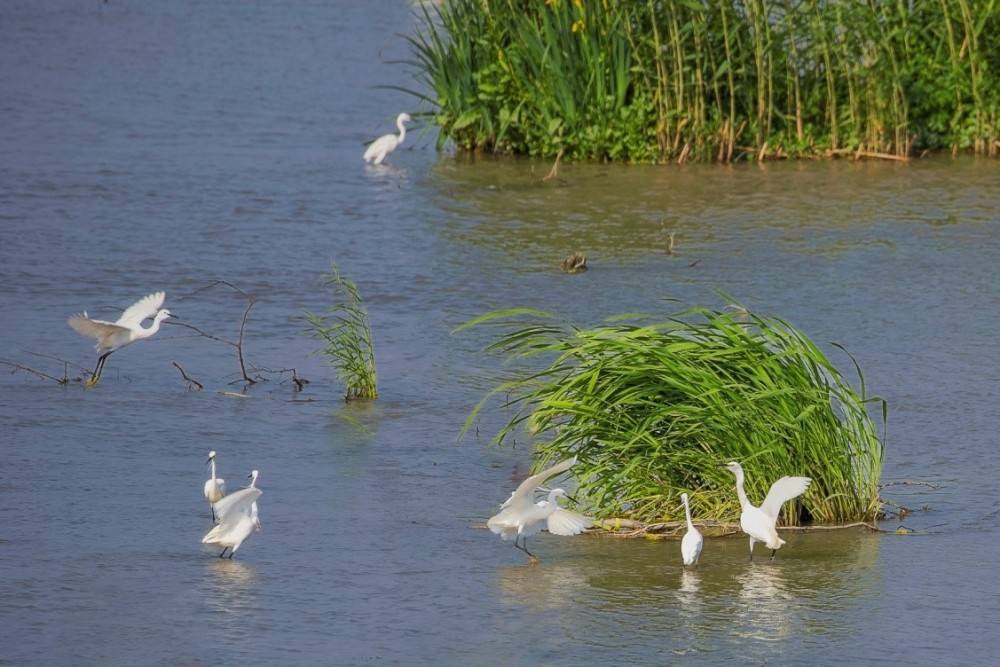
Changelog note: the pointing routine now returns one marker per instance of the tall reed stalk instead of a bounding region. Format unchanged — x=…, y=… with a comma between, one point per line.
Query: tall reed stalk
x=651, y=81
x=652, y=407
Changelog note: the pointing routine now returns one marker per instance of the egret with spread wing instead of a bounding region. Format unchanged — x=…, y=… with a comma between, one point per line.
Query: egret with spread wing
x=387, y=143
x=759, y=522
x=521, y=517
x=113, y=336
x=237, y=515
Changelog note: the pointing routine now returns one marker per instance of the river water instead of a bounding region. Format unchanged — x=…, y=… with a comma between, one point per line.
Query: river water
x=152, y=146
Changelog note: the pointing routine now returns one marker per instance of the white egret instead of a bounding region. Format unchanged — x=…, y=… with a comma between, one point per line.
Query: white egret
x=692, y=541
x=759, y=522
x=520, y=517
x=237, y=514
x=215, y=487
x=387, y=143
x=113, y=336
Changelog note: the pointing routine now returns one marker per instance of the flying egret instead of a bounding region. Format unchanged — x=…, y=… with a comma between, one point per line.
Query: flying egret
x=215, y=487
x=759, y=522
x=520, y=517
x=387, y=143
x=237, y=518
x=113, y=336
x=692, y=541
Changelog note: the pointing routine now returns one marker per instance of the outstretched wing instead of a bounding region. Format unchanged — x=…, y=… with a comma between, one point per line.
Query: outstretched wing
x=781, y=491
x=142, y=309
x=564, y=522
x=523, y=496
x=236, y=504
x=98, y=329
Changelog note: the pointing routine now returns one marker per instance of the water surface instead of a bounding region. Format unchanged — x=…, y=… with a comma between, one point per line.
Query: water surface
x=166, y=145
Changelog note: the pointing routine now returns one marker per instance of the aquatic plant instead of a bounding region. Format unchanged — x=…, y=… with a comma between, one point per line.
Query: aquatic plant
x=347, y=334
x=654, y=406
x=712, y=79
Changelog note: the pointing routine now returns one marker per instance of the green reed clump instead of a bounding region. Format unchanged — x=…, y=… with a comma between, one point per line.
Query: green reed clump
x=712, y=79
x=347, y=334
x=653, y=408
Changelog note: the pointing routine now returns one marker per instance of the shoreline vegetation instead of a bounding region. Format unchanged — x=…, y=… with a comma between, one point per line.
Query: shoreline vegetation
x=712, y=80
x=653, y=406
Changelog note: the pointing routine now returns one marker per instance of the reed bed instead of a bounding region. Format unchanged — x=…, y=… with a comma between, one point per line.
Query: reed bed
x=347, y=336
x=652, y=407
x=719, y=80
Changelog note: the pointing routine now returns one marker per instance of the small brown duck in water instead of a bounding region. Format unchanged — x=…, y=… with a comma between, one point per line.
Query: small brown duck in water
x=575, y=263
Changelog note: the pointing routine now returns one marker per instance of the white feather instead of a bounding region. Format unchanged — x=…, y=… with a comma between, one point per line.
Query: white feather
x=782, y=491
x=564, y=522
x=237, y=522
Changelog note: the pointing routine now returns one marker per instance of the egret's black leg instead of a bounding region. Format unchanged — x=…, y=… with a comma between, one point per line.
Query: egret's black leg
x=231, y=555
x=100, y=367
x=773, y=551
x=223, y=552
x=528, y=552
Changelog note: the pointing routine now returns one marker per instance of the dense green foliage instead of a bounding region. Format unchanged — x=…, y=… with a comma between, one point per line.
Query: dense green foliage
x=654, y=407
x=659, y=80
x=347, y=334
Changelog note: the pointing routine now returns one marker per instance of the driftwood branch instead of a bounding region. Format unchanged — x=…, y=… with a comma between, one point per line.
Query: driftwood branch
x=299, y=382
x=27, y=369
x=239, y=347
x=554, y=171
x=614, y=528
x=190, y=380
x=858, y=154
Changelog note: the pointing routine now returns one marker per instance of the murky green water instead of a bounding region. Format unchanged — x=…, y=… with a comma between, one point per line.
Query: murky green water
x=162, y=147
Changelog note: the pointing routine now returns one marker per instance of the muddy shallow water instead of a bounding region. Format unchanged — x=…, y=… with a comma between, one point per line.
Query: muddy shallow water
x=163, y=147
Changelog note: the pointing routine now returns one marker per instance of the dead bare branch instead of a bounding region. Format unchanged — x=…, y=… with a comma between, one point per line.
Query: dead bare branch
x=190, y=380
x=27, y=369
x=554, y=172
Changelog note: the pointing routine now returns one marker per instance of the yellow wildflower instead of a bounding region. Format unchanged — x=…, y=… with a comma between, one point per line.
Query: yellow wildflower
x=578, y=25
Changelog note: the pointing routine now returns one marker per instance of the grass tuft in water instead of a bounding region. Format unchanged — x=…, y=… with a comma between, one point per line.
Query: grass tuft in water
x=652, y=406
x=347, y=334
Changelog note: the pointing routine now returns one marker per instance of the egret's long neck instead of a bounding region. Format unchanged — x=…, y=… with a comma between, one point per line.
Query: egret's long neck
x=213, y=468
x=146, y=333
x=402, y=130
x=253, y=481
x=553, y=503
x=741, y=494
x=687, y=513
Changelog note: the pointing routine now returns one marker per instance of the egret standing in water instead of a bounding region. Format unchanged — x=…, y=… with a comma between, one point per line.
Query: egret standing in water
x=237, y=515
x=759, y=522
x=387, y=143
x=520, y=517
x=692, y=541
x=113, y=336
x=215, y=487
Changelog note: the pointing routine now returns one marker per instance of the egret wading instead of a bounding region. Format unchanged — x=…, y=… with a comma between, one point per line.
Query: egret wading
x=387, y=143
x=759, y=522
x=127, y=329
x=237, y=516
x=215, y=487
x=692, y=541
x=520, y=517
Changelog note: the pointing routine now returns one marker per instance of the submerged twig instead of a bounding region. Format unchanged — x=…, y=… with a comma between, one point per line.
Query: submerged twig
x=27, y=369
x=554, y=171
x=190, y=380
